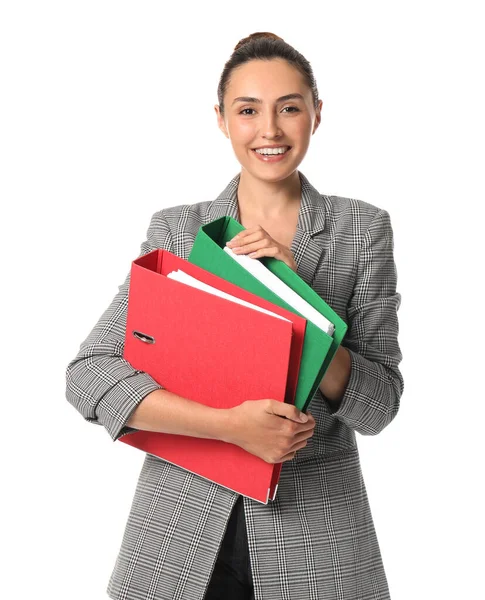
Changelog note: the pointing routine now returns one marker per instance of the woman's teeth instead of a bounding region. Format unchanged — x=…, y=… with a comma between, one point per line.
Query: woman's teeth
x=281, y=150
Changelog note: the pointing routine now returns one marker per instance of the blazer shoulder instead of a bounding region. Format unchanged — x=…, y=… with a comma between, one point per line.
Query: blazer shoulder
x=346, y=212
x=185, y=217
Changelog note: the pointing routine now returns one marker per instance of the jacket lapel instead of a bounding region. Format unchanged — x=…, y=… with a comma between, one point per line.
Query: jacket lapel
x=306, y=249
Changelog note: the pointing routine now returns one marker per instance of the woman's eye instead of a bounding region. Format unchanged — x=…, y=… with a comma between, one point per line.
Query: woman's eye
x=244, y=109
x=292, y=107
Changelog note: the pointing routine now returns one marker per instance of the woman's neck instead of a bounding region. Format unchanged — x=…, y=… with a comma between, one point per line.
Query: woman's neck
x=265, y=201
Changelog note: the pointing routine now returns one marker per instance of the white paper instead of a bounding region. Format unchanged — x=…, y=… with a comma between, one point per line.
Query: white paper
x=183, y=277
x=274, y=283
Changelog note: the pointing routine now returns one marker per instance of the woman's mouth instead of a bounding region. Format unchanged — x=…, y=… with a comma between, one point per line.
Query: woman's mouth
x=275, y=155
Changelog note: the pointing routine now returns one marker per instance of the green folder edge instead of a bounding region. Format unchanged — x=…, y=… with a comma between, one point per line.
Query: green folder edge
x=213, y=236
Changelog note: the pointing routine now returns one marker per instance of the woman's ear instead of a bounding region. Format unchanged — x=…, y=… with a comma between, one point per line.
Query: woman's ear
x=318, y=116
x=220, y=121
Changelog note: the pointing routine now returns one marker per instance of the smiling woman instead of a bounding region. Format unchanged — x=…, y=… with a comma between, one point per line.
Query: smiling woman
x=272, y=114
x=186, y=537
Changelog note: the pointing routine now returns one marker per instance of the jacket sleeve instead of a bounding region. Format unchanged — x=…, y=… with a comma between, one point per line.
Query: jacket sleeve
x=100, y=383
x=372, y=396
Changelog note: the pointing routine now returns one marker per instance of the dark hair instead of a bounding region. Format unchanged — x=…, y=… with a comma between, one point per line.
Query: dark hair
x=264, y=45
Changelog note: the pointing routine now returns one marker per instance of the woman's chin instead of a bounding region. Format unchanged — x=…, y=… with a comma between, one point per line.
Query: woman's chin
x=270, y=172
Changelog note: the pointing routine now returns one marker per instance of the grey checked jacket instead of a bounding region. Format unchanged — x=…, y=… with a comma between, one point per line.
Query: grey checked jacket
x=316, y=541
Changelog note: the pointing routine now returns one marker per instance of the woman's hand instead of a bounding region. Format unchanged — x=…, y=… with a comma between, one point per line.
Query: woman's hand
x=272, y=430
x=258, y=243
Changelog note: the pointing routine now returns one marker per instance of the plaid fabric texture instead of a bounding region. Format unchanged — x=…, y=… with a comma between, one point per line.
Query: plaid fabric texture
x=316, y=541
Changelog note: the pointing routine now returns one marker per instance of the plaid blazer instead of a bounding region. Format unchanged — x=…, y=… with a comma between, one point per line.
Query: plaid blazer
x=317, y=539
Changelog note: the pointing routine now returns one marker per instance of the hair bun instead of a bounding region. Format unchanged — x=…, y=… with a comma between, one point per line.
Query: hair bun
x=256, y=36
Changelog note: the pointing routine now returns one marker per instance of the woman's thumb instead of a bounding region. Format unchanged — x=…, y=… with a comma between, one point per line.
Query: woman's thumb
x=295, y=415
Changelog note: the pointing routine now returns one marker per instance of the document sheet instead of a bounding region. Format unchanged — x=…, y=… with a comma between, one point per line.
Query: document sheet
x=269, y=279
x=183, y=277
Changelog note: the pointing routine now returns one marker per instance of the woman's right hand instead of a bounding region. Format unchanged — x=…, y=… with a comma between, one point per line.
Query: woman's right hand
x=272, y=430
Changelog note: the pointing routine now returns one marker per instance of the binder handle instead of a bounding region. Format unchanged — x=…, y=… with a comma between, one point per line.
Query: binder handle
x=143, y=337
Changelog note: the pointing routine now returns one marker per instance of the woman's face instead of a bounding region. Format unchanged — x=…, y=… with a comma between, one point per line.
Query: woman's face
x=256, y=116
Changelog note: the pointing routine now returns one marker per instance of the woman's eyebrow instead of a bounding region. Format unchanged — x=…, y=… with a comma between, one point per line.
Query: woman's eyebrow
x=258, y=101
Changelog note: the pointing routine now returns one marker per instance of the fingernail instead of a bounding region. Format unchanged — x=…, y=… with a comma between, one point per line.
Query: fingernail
x=303, y=418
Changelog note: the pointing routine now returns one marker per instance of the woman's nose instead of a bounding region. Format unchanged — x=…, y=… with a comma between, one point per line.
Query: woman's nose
x=271, y=127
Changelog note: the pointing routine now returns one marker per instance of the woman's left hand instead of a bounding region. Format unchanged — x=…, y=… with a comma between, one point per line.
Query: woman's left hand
x=256, y=242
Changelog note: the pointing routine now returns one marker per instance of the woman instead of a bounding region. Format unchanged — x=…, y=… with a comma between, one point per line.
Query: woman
x=186, y=537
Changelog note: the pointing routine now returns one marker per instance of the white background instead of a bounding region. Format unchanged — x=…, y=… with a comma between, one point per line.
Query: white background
x=106, y=115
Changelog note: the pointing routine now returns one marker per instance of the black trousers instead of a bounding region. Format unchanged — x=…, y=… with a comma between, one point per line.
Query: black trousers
x=231, y=577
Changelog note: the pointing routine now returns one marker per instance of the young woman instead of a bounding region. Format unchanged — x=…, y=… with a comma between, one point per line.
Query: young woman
x=188, y=538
